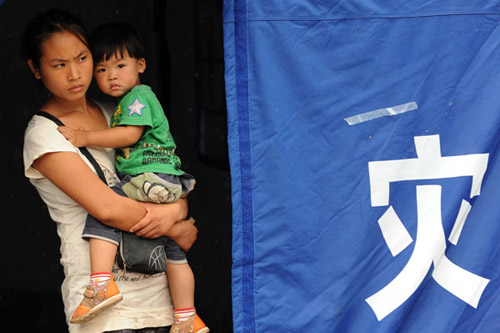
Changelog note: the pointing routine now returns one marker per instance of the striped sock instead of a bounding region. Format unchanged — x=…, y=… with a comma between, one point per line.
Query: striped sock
x=98, y=279
x=183, y=314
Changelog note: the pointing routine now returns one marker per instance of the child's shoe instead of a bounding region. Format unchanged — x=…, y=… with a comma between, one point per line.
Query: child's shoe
x=199, y=326
x=96, y=299
x=193, y=325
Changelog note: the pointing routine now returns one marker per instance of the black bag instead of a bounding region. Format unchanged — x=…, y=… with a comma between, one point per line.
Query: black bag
x=136, y=254
x=142, y=255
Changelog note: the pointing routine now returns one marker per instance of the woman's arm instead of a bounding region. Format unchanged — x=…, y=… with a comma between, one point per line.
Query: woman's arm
x=71, y=175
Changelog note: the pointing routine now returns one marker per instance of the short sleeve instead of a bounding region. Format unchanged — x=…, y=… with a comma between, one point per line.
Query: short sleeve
x=42, y=137
x=136, y=109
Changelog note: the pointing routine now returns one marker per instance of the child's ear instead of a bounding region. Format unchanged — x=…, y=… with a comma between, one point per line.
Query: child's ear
x=142, y=65
x=34, y=70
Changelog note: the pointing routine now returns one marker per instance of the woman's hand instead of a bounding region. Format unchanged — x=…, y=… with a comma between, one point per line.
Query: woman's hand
x=183, y=233
x=157, y=222
x=167, y=220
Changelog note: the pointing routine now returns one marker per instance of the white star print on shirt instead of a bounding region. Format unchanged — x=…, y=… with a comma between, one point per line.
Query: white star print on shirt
x=135, y=108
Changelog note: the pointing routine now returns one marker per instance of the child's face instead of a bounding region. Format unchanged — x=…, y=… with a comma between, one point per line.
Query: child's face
x=116, y=76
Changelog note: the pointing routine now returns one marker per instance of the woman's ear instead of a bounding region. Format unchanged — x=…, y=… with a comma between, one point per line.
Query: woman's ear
x=34, y=70
x=142, y=65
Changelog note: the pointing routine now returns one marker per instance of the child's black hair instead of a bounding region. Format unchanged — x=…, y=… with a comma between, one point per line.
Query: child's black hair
x=43, y=26
x=114, y=39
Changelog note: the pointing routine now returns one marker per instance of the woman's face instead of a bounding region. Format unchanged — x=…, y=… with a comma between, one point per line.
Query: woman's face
x=65, y=67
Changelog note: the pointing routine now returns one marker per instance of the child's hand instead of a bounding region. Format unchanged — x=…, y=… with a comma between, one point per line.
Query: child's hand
x=76, y=137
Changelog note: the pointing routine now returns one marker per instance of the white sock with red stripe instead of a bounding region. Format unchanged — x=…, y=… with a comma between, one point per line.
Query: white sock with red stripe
x=183, y=314
x=98, y=279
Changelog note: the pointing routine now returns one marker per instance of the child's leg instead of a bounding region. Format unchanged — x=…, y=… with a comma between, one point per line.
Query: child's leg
x=102, y=291
x=103, y=243
x=102, y=255
x=181, y=283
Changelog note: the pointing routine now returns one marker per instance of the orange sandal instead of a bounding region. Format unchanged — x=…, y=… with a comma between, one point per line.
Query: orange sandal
x=96, y=299
x=192, y=325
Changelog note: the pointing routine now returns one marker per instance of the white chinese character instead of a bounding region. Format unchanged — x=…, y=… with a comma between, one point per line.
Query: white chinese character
x=430, y=243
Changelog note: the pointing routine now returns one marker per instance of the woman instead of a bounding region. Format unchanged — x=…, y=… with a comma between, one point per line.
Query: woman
x=57, y=53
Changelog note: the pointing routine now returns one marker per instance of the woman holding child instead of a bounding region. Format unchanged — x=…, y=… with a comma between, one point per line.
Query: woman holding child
x=56, y=48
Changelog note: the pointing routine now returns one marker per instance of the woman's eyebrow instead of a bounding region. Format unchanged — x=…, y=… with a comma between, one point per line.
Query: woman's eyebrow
x=65, y=60
x=84, y=52
x=58, y=60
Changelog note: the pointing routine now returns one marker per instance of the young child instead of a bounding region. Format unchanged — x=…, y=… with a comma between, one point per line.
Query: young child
x=149, y=168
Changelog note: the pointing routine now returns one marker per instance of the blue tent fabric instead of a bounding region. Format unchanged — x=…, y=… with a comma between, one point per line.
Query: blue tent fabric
x=363, y=143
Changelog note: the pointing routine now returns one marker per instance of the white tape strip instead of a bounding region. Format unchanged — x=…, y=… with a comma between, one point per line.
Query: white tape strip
x=386, y=112
x=459, y=222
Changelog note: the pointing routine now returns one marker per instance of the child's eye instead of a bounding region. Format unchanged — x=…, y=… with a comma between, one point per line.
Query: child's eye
x=121, y=65
x=82, y=59
x=100, y=70
x=59, y=65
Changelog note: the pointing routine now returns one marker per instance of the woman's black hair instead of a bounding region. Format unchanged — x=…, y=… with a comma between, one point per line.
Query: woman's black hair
x=114, y=39
x=43, y=26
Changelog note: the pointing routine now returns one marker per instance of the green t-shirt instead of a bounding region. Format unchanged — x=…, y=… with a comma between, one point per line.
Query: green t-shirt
x=155, y=150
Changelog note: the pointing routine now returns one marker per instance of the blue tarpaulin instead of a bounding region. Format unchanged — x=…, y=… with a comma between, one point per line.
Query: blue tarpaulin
x=363, y=141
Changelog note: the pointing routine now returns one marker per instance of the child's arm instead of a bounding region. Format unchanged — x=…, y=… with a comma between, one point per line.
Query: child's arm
x=117, y=137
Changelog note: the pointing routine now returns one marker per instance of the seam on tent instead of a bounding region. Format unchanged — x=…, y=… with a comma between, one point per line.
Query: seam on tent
x=241, y=55
x=372, y=16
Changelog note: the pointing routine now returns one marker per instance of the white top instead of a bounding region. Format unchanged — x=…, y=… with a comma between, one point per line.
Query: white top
x=146, y=300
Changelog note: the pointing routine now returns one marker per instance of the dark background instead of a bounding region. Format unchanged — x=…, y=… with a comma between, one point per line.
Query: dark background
x=184, y=54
